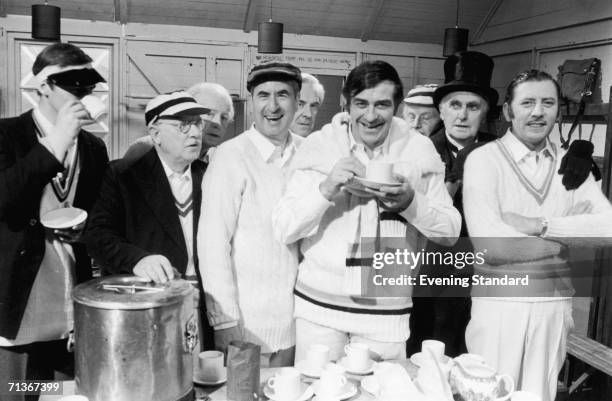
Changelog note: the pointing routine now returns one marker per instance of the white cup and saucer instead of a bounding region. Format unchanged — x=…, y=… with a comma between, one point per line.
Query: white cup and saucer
x=287, y=385
x=317, y=357
x=208, y=369
x=63, y=218
x=333, y=384
x=378, y=174
x=357, y=360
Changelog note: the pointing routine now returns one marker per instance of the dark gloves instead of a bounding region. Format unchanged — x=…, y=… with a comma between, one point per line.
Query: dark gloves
x=577, y=164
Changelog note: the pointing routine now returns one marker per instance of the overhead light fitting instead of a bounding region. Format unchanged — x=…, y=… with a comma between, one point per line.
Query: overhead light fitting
x=270, y=36
x=46, y=22
x=455, y=39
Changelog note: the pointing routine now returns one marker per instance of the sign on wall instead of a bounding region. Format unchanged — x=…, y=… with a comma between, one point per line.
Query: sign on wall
x=316, y=60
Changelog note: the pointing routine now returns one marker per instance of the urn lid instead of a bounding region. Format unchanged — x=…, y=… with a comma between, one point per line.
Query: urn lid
x=125, y=292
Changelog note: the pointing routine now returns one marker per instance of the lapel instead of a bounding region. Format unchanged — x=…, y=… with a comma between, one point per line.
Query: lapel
x=150, y=178
x=27, y=133
x=197, y=173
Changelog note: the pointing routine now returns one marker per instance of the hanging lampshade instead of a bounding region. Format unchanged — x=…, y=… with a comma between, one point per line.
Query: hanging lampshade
x=455, y=40
x=46, y=22
x=270, y=37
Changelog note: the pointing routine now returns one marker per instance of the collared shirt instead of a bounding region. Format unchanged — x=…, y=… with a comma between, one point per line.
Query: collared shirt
x=534, y=165
x=360, y=152
x=277, y=155
x=182, y=190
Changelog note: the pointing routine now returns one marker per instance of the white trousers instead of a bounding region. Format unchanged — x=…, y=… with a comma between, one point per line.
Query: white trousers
x=309, y=333
x=526, y=340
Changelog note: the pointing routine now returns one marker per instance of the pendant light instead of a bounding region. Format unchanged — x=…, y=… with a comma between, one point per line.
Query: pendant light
x=46, y=22
x=270, y=36
x=455, y=39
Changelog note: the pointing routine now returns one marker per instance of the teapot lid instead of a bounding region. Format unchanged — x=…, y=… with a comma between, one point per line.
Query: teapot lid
x=126, y=292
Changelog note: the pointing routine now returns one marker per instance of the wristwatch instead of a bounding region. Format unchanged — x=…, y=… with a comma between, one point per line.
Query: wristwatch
x=544, y=224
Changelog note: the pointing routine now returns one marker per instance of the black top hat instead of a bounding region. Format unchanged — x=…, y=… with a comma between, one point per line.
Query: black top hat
x=468, y=71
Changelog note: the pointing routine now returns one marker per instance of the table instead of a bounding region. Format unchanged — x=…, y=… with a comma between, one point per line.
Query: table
x=219, y=393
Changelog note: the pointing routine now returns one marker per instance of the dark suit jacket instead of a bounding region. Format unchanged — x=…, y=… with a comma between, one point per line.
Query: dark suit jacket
x=135, y=216
x=26, y=167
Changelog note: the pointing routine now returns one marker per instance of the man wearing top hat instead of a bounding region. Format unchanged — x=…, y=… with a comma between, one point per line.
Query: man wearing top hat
x=248, y=275
x=463, y=102
x=419, y=111
x=146, y=216
x=47, y=161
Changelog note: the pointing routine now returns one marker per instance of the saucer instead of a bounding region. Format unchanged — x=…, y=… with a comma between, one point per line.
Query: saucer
x=306, y=393
x=65, y=217
x=417, y=359
x=343, y=362
x=347, y=391
x=203, y=382
x=374, y=184
x=307, y=370
x=370, y=384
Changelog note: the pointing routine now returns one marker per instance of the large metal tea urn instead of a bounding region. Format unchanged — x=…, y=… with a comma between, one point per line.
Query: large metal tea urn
x=134, y=339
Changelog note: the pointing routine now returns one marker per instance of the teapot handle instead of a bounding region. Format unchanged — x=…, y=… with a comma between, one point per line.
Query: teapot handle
x=509, y=382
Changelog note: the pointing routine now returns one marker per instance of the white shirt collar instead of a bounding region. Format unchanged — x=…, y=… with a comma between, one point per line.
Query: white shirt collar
x=266, y=148
x=170, y=173
x=382, y=149
x=519, y=151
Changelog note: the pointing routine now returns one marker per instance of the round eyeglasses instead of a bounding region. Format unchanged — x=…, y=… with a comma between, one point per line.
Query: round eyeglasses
x=184, y=126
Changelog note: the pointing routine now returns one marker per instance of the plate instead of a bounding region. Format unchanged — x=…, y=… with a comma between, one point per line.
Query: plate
x=374, y=184
x=370, y=384
x=417, y=359
x=307, y=393
x=348, y=391
x=343, y=362
x=65, y=217
x=306, y=370
x=201, y=382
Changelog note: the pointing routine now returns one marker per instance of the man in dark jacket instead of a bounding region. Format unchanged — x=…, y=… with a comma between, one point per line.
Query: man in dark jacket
x=146, y=217
x=463, y=102
x=46, y=162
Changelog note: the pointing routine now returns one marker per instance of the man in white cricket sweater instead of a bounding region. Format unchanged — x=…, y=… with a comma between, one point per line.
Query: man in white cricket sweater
x=511, y=189
x=331, y=214
x=248, y=275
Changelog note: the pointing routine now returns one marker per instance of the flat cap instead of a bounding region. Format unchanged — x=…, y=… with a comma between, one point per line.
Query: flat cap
x=274, y=71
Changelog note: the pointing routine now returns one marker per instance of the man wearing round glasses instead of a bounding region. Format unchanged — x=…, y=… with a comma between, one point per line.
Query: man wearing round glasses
x=219, y=113
x=146, y=216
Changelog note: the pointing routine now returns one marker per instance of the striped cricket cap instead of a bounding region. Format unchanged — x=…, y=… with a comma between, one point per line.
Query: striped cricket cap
x=174, y=104
x=421, y=95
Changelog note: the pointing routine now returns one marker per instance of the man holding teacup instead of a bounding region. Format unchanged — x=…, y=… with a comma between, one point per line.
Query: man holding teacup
x=331, y=207
x=47, y=162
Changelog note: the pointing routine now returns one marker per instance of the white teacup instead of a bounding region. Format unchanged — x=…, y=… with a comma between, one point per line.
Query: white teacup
x=332, y=380
x=434, y=347
x=317, y=356
x=95, y=107
x=378, y=171
x=286, y=384
x=357, y=356
x=524, y=396
x=210, y=366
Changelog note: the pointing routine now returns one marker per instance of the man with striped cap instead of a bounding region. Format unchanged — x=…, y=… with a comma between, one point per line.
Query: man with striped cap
x=146, y=216
x=419, y=111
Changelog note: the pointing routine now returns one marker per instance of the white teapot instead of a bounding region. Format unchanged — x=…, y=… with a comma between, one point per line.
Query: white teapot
x=475, y=381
